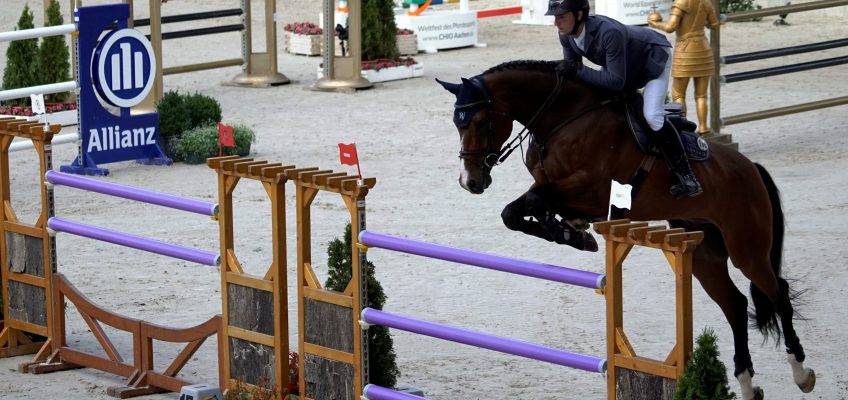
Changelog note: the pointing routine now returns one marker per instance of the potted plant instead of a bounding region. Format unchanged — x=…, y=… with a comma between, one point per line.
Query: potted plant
x=200, y=143
x=303, y=38
x=381, y=59
x=179, y=113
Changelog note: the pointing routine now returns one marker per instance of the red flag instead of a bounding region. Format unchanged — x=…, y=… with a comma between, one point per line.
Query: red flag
x=225, y=138
x=347, y=156
x=225, y=135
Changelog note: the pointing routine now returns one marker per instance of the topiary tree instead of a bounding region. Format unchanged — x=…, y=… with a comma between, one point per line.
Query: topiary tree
x=705, y=377
x=202, y=110
x=379, y=31
x=381, y=354
x=22, y=60
x=53, y=54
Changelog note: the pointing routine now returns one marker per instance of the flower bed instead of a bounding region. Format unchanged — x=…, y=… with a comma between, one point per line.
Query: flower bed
x=57, y=113
x=387, y=70
x=303, y=38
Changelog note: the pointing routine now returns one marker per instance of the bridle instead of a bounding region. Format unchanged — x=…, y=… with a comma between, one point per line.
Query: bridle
x=490, y=157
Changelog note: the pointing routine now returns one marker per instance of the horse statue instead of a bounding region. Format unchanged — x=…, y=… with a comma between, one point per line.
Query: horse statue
x=579, y=140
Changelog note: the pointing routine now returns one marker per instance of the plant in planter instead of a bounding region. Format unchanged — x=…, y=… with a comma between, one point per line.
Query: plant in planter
x=179, y=113
x=200, y=143
x=303, y=38
x=380, y=44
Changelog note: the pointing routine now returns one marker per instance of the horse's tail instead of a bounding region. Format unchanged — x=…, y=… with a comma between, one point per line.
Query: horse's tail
x=765, y=314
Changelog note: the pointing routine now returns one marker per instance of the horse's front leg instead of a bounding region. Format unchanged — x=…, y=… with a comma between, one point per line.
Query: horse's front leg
x=535, y=205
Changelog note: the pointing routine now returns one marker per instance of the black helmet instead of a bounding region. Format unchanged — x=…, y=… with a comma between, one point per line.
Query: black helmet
x=557, y=7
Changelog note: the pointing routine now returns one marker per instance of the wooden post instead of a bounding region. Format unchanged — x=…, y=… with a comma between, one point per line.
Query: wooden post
x=629, y=376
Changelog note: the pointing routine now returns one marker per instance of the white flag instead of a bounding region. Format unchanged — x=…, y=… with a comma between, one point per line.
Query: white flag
x=620, y=195
x=37, y=103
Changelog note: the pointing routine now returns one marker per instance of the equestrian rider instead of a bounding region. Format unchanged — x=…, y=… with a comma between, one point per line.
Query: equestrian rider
x=630, y=58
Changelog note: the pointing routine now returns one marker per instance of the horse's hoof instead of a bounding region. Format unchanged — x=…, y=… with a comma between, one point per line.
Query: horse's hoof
x=758, y=393
x=589, y=242
x=809, y=383
x=581, y=224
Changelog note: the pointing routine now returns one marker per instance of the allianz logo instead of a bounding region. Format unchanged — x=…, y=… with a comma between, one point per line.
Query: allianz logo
x=112, y=138
x=124, y=76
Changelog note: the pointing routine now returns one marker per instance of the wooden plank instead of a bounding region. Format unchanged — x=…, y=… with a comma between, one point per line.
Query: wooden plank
x=321, y=180
x=623, y=343
x=646, y=365
x=23, y=229
x=328, y=296
x=243, y=167
x=256, y=170
x=677, y=239
x=215, y=162
x=658, y=237
x=91, y=361
x=250, y=336
x=250, y=281
x=328, y=353
x=294, y=174
x=28, y=279
x=311, y=278
x=639, y=234
x=604, y=227
x=233, y=264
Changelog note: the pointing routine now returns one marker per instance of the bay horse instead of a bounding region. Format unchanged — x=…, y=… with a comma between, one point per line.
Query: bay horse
x=579, y=140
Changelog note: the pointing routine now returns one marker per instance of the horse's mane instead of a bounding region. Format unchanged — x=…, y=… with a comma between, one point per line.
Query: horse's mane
x=535, y=65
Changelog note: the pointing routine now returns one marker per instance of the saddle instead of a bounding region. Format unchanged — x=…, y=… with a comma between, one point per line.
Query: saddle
x=695, y=147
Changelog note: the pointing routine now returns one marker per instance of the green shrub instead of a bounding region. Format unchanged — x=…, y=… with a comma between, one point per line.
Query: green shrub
x=732, y=6
x=199, y=143
x=173, y=117
x=53, y=55
x=21, y=60
x=383, y=370
x=202, y=110
x=379, y=31
x=705, y=377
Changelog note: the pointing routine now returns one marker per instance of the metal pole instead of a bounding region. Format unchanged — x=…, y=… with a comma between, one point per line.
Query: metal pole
x=68, y=86
x=777, y=112
x=506, y=264
x=37, y=32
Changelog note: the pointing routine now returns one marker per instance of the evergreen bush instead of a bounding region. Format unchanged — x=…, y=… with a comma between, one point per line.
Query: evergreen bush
x=53, y=55
x=379, y=30
x=173, y=115
x=705, y=377
x=383, y=369
x=202, y=110
x=22, y=60
x=732, y=6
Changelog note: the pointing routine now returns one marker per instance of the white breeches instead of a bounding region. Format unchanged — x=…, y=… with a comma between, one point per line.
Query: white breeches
x=654, y=96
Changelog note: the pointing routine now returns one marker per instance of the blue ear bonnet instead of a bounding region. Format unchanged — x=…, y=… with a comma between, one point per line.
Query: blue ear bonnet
x=472, y=97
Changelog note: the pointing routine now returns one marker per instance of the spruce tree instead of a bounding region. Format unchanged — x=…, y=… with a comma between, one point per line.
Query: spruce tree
x=53, y=54
x=22, y=60
x=381, y=354
x=705, y=377
x=379, y=31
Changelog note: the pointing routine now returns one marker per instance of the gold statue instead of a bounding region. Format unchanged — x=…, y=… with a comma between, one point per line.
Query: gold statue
x=693, y=57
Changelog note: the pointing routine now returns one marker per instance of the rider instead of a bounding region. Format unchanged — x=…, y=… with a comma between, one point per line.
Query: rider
x=630, y=58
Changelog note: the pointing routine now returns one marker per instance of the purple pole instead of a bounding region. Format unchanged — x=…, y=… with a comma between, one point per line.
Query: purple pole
x=484, y=340
x=375, y=392
x=136, y=242
x=133, y=193
x=512, y=265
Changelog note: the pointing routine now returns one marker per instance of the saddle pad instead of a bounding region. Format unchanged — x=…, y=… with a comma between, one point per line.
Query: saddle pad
x=695, y=147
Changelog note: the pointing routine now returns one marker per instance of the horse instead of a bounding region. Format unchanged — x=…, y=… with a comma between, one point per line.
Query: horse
x=578, y=141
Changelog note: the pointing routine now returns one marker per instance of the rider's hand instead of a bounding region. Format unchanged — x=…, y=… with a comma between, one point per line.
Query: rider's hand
x=568, y=69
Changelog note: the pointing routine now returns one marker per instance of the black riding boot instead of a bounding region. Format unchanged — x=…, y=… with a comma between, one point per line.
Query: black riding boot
x=686, y=184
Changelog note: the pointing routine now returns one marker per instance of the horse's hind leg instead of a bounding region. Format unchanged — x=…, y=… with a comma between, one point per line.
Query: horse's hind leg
x=709, y=265
x=771, y=295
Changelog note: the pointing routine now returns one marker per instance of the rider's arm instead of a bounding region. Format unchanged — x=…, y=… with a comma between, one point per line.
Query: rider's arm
x=568, y=53
x=614, y=75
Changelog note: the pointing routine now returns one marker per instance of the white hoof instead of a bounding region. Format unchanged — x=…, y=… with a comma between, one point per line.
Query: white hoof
x=809, y=383
x=805, y=378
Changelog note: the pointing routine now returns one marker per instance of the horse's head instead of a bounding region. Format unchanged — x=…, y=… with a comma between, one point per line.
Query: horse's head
x=482, y=132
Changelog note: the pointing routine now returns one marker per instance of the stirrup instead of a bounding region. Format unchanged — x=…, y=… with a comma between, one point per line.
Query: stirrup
x=686, y=186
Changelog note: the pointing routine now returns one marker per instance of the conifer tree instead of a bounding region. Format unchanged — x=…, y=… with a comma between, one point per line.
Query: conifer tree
x=705, y=377
x=53, y=54
x=383, y=369
x=379, y=31
x=22, y=60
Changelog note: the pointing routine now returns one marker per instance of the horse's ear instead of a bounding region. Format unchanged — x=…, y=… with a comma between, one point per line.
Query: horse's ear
x=450, y=87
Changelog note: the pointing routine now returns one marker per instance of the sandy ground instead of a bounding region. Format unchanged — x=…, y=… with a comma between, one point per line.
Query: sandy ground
x=406, y=139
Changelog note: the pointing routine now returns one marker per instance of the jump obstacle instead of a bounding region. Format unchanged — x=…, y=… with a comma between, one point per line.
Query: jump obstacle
x=717, y=121
x=331, y=323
